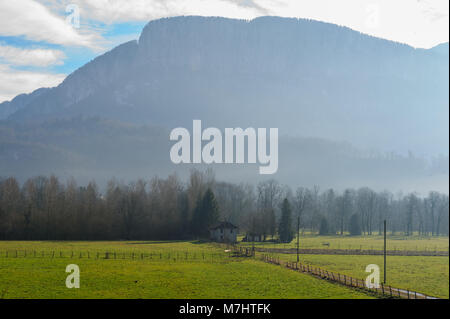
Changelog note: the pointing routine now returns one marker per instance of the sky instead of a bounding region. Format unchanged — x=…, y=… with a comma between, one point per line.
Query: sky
x=42, y=41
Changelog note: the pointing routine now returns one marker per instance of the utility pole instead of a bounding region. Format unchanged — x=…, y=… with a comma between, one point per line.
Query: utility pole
x=384, y=272
x=298, y=236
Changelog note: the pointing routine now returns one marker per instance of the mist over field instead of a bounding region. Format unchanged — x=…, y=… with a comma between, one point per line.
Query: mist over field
x=352, y=110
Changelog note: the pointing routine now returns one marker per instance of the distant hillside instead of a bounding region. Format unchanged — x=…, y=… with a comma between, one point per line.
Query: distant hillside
x=19, y=102
x=100, y=149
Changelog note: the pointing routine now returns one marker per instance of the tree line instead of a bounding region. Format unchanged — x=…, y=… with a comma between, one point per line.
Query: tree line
x=44, y=208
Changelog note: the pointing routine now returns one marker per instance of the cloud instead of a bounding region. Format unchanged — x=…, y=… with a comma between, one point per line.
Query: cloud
x=31, y=57
x=111, y=11
x=36, y=22
x=14, y=82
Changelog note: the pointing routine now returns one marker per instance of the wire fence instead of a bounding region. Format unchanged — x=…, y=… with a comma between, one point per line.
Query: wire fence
x=328, y=251
x=361, y=249
x=385, y=290
x=174, y=256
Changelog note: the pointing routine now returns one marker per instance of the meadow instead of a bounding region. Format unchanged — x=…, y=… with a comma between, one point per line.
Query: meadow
x=374, y=242
x=428, y=274
x=193, y=269
x=151, y=270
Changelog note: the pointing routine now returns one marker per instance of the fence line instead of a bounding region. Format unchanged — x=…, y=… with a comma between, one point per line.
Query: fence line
x=175, y=256
x=329, y=251
x=385, y=290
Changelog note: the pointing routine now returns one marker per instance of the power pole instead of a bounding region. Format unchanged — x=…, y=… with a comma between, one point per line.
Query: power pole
x=384, y=272
x=298, y=236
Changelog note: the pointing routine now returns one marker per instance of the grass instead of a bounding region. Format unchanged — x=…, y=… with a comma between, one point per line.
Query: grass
x=429, y=274
x=220, y=276
x=394, y=242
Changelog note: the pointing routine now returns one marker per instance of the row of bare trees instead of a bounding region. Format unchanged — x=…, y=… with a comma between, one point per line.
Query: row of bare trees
x=360, y=211
x=46, y=208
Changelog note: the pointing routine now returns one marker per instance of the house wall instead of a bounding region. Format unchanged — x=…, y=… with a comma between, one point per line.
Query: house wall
x=224, y=235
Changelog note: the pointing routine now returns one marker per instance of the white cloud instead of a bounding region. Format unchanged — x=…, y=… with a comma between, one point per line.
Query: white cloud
x=421, y=23
x=14, y=82
x=111, y=11
x=31, y=57
x=36, y=22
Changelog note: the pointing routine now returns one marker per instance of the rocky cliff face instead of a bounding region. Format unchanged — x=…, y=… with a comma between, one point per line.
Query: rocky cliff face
x=332, y=81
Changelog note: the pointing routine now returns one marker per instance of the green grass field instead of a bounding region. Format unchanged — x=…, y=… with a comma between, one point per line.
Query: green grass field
x=429, y=275
x=183, y=269
x=166, y=275
x=397, y=242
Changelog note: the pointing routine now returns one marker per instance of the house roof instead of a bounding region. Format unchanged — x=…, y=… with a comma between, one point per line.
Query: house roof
x=223, y=225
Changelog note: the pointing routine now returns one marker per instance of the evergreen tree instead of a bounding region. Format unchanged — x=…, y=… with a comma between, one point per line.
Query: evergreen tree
x=272, y=223
x=206, y=214
x=197, y=218
x=285, y=228
x=210, y=209
x=324, y=230
x=355, y=225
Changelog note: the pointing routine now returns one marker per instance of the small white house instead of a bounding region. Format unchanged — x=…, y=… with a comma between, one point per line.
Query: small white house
x=224, y=232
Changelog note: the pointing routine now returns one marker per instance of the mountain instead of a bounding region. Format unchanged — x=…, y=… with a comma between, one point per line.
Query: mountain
x=9, y=107
x=441, y=49
x=308, y=78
